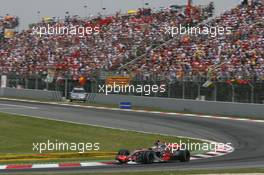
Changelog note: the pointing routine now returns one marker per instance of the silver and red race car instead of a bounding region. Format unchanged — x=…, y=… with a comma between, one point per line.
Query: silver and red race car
x=160, y=152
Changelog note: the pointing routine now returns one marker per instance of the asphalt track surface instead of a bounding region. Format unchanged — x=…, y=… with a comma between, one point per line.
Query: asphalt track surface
x=246, y=137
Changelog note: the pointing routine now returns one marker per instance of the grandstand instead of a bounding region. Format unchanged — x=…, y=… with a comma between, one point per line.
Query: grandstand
x=237, y=56
x=122, y=38
x=135, y=44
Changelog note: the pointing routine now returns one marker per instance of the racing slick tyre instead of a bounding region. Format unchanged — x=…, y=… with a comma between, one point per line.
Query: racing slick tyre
x=148, y=157
x=184, y=155
x=123, y=152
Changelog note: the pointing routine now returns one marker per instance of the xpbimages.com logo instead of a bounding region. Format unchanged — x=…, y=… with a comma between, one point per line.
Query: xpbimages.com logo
x=140, y=89
x=212, y=31
x=56, y=145
x=79, y=31
x=193, y=146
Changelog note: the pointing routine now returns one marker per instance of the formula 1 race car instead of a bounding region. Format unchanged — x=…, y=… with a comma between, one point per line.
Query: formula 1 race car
x=160, y=152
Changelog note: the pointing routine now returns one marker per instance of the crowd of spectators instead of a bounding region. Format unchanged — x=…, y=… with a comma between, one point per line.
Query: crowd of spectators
x=121, y=39
x=239, y=56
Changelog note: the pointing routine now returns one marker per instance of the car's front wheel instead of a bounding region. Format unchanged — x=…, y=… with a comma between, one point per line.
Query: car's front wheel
x=123, y=152
x=122, y=155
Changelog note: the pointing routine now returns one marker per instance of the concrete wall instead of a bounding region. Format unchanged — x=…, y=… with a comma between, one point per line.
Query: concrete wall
x=172, y=104
x=30, y=94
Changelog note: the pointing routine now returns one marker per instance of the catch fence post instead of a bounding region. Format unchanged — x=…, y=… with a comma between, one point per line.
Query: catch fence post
x=252, y=95
x=215, y=92
x=66, y=87
x=233, y=93
x=26, y=83
x=199, y=90
x=183, y=89
x=36, y=82
x=169, y=89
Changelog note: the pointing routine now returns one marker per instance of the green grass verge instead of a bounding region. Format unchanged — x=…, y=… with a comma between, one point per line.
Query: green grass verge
x=18, y=133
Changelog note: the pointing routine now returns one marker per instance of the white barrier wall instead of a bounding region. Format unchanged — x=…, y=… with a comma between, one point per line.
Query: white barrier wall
x=192, y=106
x=170, y=104
x=30, y=94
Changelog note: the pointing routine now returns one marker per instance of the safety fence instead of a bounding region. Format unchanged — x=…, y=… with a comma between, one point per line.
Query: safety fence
x=251, y=92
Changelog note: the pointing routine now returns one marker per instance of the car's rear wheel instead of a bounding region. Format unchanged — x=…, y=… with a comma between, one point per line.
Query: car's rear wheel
x=184, y=155
x=148, y=157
